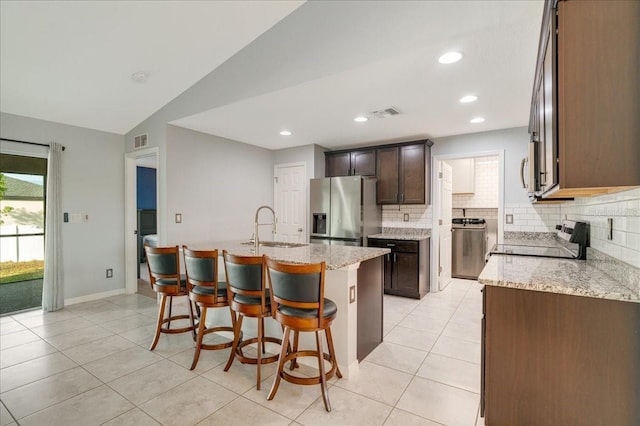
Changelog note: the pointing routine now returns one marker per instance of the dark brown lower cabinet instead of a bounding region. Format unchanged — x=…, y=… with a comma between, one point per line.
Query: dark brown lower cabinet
x=406, y=268
x=555, y=359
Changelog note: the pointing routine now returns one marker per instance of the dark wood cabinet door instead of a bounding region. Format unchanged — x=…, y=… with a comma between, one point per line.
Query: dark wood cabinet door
x=388, y=168
x=412, y=174
x=406, y=266
x=337, y=164
x=363, y=163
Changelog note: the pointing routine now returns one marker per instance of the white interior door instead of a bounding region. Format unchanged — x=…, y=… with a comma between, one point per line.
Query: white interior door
x=445, y=182
x=290, y=202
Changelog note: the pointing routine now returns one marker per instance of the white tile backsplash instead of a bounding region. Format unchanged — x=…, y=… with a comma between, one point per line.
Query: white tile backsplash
x=420, y=216
x=532, y=217
x=624, y=209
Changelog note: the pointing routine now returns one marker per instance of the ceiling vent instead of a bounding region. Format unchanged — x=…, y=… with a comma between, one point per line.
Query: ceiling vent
x=141, y=141
x=384, y=113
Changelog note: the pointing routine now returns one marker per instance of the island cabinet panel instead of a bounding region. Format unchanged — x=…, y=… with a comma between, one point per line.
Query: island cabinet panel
x=556, y=359
x=369, y=298
x=406, y=268
x=350, y=163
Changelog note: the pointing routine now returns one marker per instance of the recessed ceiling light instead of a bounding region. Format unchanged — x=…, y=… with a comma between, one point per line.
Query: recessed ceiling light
x=450, y=57
x=477, y=120
x=468, y=98
x=360, y=119
x=139, y=76
x=285, y=133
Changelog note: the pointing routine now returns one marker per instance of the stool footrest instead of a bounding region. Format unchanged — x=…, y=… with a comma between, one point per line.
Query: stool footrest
x=217, y=346
x=308, y=380
x=253, y=360
x=165, y=329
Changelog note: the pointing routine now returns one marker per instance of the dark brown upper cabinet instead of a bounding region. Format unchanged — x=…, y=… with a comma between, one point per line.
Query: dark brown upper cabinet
x=585, y=104
x=403, y=173
x=350, y=163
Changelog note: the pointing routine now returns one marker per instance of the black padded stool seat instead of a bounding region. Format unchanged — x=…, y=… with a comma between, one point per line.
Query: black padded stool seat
x=298, y=303
x=206, y=292
x=166, y=280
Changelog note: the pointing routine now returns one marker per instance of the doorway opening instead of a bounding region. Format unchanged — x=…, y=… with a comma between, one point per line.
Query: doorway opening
x=477, y=192
x=22, y=218
x=142, y=196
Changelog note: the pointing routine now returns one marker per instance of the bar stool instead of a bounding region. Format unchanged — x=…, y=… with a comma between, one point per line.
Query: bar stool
x=298, y=303
x=205, y=291
x=166, y=280
x=248, y=297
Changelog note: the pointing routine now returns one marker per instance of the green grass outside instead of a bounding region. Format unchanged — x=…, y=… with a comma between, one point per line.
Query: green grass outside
x=11, y=272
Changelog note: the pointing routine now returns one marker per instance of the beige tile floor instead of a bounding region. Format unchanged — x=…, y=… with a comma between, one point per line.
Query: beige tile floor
x=89, y=365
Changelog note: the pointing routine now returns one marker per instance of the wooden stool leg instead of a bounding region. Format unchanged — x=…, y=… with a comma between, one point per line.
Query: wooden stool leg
x=332, y=351
x=170, y=306
x=264, y=348
x=283, y=354
x=159, y=325
x=193, y=323
x=236, y=340
x=323, y=378
x=294, y=361
x=259, y=349
x=201, y=327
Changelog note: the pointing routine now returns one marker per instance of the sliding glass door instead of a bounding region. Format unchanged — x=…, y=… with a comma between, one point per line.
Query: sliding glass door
x=22, y=231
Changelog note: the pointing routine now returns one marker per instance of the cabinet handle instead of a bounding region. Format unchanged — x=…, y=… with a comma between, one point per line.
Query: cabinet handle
x=402, y=198
x=522, y=163
x=390, y=245
x=395, y=257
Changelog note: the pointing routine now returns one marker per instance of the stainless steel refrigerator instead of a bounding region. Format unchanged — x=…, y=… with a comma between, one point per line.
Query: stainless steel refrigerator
x=344, y=210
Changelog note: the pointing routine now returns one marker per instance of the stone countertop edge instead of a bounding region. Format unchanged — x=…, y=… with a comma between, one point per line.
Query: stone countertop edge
x=410, y=234
x=336, y=257
x=562, y=276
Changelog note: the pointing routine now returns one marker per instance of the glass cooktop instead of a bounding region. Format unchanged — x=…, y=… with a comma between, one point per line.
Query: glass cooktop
x=538, y=251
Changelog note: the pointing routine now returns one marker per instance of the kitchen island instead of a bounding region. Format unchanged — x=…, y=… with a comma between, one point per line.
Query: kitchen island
x=560, y=343
x=353, y=280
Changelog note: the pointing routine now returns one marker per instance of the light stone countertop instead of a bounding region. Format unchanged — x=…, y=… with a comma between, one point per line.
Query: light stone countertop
x=410, y=234
x=335, y=256
x=563, y=276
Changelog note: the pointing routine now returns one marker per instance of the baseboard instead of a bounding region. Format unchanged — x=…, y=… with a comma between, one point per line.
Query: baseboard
x=94, y=296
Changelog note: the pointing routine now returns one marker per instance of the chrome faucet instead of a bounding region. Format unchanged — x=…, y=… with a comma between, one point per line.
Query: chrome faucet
x=256, y=241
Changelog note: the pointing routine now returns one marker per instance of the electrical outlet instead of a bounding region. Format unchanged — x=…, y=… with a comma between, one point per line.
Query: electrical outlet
x=509, y=219
x=609, y=228
x=109, y=273
x=178, y=217
x=352, y=294
x=406, y=217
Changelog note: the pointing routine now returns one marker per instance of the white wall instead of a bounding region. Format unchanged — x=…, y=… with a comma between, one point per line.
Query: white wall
x=513, y=141
x=217, y=184
x=92, y=183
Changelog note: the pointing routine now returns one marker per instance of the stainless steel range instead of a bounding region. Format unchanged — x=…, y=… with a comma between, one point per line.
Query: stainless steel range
x=572, y=238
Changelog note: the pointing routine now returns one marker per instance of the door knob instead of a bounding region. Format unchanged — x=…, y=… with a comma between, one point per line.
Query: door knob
x=299, y=229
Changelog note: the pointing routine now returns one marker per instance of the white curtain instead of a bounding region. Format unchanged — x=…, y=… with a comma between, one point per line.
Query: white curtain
x=52, y=288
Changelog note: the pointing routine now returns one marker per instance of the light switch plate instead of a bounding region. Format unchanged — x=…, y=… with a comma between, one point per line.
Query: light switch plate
x=509, y=219
x=352, y=294
x=178, y=217
x=406, y=217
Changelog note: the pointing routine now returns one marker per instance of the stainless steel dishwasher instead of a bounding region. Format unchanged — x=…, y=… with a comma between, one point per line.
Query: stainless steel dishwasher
x=468, y=247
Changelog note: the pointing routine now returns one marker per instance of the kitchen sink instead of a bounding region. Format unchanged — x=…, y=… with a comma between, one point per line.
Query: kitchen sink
x=278, y=244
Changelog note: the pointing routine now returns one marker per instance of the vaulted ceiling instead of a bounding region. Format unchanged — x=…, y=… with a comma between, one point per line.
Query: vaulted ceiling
x=72, y=62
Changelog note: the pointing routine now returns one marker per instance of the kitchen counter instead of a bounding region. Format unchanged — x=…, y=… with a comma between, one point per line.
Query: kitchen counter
x=336, y=257
x=409, y=234
x=562, y=276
